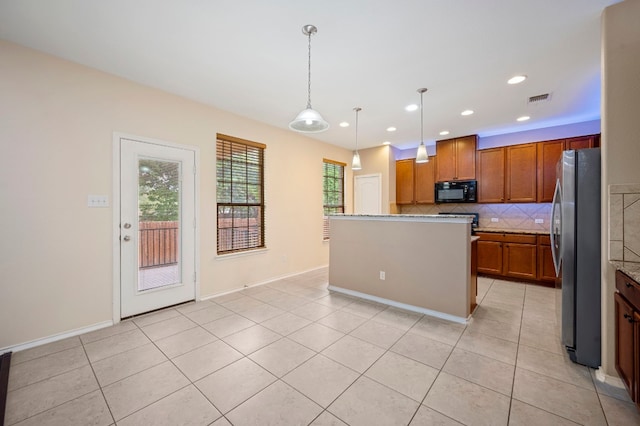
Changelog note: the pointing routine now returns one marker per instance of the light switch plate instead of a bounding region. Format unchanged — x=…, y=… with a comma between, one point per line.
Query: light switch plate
x=98, y=201
x=495, y=219
x=539, y=220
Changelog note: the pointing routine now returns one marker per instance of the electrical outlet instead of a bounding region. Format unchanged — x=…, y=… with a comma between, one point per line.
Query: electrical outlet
x=382, y=275
x=539, y=220
x=495, y=219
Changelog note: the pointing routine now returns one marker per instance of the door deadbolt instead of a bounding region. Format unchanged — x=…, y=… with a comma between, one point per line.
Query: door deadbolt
x=127, y=225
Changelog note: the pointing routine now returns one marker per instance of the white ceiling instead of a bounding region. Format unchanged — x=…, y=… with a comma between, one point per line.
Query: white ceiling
x=250, y=57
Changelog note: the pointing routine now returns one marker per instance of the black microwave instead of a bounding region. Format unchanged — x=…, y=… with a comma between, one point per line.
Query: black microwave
x=462, y=191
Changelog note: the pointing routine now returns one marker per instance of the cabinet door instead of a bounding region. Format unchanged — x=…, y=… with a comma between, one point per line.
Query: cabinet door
x=520, y=183
x=546, y=270
x=425, y=181
x=446, y=154
x=489, y=259
x=549, y=153
x=490, y=175
x=625, y=344
x=466, y=158
x=581, y=142
x=404, y=182
x=520, y=260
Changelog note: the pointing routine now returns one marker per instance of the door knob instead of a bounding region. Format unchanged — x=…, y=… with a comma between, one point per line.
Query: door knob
x=126, y=238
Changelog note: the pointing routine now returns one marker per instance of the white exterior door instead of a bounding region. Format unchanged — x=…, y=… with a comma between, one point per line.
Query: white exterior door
x=367, y=194
x=157, y=226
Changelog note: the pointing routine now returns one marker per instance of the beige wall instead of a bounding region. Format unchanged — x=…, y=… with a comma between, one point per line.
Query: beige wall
x=620, y=135
x=57, y=121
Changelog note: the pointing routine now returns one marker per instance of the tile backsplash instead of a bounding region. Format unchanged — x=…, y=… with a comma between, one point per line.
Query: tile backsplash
x=624, y=222
x=520, y=216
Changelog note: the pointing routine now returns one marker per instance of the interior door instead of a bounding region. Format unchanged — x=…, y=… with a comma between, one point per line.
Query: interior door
x=157, y=226
x=367, y=194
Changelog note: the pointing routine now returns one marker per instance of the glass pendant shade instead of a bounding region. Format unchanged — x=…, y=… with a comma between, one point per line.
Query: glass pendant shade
x=309, y=121
x=355, y=163
x=422, y=156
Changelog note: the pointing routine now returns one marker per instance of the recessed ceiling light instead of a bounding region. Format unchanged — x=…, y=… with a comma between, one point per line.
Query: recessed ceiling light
x=517, y=79
x=391, y=129
x=412, y=107
x=467, y=112
x=344, y=124
x=523, y=118
x=386, y=143
x=444, y=133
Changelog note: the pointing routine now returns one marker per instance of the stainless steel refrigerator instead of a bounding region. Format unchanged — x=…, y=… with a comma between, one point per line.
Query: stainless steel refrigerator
x=575, y=243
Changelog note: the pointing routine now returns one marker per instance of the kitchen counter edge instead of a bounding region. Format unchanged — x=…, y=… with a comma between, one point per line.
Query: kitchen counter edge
x=632, y=269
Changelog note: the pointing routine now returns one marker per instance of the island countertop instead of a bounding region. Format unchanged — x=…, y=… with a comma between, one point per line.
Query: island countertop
x=452, y=218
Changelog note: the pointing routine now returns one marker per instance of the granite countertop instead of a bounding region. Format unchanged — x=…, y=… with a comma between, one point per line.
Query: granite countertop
x=403, y=217
x=512, y=231
x=630, y=268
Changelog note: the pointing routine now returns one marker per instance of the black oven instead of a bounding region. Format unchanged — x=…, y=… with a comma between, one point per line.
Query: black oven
x=462, y=191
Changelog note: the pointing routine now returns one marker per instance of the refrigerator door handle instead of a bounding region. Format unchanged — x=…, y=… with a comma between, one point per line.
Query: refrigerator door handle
x=555, y=230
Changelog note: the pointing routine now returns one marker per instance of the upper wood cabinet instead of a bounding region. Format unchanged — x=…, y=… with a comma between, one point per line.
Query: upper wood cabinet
x=425, y=182
x=415, y=182
x=490, y=168
x=405, y=181
x=548, y=155
x=456, y=159
x=520, y=179
x=582, y=142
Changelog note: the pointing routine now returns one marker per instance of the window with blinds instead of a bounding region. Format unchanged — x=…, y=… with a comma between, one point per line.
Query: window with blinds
x=333, y=191
x=240, y=194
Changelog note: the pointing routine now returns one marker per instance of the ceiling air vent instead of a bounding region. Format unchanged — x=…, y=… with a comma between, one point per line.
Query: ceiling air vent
x=546, y=97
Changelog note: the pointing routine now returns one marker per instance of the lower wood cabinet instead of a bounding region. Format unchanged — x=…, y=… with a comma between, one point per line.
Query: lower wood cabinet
x=627, y=335
x=520, y=256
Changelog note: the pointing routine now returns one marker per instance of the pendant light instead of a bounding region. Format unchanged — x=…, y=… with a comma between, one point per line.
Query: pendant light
x=422, y=156
x=355, y=163
x=309, y=120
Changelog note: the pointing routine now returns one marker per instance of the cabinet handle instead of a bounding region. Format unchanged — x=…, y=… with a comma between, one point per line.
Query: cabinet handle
x=629, y=318
x=628, y=284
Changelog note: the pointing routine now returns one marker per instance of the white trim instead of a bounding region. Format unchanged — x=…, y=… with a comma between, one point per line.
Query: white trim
x=240, y=253
x=270, y=280
x=56, y=337
x=400, y=305
x=117, y=136
x=609, y=380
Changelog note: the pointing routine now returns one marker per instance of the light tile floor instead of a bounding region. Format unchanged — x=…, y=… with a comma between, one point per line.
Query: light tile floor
x=293, y=353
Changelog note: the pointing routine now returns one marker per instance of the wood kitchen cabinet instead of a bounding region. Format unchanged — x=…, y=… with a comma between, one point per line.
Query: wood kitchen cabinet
x=520, y=176
x=490, y=165
x=549, y=154
x=415, y=182
x=456, y=159
x=627, y=334
x=405, y=181
x=546, y=270
x=425, y=182
x=507, y=255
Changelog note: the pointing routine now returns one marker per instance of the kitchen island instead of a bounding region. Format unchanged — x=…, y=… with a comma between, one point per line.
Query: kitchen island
x=416, y=262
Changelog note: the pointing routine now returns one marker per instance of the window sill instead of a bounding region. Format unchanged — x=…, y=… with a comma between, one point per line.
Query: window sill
x=241, y=254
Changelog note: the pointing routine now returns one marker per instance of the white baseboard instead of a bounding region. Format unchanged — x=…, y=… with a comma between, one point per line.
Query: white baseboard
x=268, y=281
x=400, y=305
x=610, y=380
x=56, y=337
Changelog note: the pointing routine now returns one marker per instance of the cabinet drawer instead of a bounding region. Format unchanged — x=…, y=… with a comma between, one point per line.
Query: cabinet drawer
x=544, y=240
x=628, y=288
x=507, y=238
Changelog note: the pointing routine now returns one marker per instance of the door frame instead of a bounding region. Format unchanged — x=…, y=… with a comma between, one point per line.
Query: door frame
x=377, y=175
x=115, y=211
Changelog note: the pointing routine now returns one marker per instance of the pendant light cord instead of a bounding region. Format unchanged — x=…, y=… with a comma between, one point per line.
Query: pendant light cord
x=309, y=76
x=421, y=120
x=357, y=110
